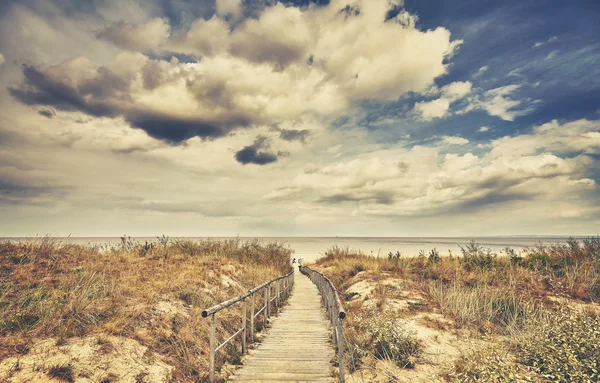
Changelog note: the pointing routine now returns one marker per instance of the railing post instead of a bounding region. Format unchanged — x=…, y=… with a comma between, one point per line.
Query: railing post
x=277, y=303
x=244, y=327
x=252, y=319
x=213, y=346
x=266, y=310
x=340, y=344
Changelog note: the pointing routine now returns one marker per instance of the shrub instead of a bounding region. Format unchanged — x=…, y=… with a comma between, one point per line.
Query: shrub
x=434, y=256
x=62, y=372
x=514, y=257
x=389, y=339
x=474, y=256
x=563, y=347
x=489, y=364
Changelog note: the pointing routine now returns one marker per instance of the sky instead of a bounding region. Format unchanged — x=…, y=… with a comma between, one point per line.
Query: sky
x=299, y=118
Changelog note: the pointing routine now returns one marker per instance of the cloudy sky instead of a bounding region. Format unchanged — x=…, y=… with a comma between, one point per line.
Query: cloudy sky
x=252, y=117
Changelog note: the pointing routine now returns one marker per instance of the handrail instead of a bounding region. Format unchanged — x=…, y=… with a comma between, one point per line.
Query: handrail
x=335, y=311
x=216, y=308
x=283, y=286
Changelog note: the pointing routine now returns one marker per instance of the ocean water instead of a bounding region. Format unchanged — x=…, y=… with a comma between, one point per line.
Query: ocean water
x=311, y=248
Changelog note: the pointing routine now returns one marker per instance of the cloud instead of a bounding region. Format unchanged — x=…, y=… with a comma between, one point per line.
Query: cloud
x=294, y=135
x=149, y=36
x=481, y=71
x=28, y=187
x=540, y=43
x=1, y=59
x=249, y=75
x=498, y=102
x=428, y=110
x=229, y=9
x=549, y=164
x=454, y=140
x=252, y=154
x=483, y=129
x=48, y=113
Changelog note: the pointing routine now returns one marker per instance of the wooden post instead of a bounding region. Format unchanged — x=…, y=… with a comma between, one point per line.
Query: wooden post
x=244, y=327
x=252, y=319
x=213, y=347
x=340, y=341
x=277, y=292
x=266, y=310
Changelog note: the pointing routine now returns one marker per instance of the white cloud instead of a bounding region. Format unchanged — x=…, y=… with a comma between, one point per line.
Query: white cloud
x=498, y=102
x=429, y=110
x=149, y=36
x=455, y=140
x=481, y=71
x=229, y=8
x=438, y=108
x=483, y=129
x=540, y=43
x=253, y=74
x=411, y=182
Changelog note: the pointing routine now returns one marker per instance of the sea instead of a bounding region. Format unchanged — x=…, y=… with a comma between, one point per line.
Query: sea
x=311, y=248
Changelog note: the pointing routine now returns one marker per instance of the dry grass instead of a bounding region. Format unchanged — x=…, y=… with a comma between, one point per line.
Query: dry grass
x=485, y=295
x=52, y=289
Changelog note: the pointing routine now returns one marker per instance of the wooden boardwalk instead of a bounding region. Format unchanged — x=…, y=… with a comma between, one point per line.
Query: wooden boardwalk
x=297, y=348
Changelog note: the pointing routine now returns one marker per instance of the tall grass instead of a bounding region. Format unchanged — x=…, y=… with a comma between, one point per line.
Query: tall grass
x=482, y=306
x=496, y=295
x=51, y=288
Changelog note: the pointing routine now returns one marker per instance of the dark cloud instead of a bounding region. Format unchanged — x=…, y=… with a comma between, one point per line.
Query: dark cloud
x=379, y=197
x=350, y=10
x=252, y=154
x=106, y=95
x=49, y=113
x=41, y=89
x=19, y=191
x=294, y=135
x=175, y=130
x=393, y=12
x=268, y=50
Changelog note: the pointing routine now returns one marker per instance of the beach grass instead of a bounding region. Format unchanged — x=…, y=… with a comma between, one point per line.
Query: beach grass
x=150, y=293
x=528, y=311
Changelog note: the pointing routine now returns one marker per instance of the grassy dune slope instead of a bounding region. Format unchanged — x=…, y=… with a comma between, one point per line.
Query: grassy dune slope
x=127, y=314
x=474, y=318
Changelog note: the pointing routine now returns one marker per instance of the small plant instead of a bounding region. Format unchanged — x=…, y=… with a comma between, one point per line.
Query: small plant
x=145, y=249
x=514, y=257
x=391, y=340
x=474, y=256
x=434, y=256
x=163, y=241
x=394, y=257
x=62, y=372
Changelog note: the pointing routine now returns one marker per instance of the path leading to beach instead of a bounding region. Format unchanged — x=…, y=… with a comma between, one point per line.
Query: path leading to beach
x=297, y=348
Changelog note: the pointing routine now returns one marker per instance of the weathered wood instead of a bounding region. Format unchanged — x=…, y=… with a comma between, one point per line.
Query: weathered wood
x=213, y=347
x=252, y=319
x=244, y=334
x=335, y=311
x=223, y=305
x=297, y=347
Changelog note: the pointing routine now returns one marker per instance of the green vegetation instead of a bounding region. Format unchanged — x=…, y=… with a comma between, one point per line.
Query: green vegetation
x=389, y=339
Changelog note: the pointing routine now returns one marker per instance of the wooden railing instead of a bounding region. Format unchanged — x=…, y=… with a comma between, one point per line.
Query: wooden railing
x=282, y=286
x=335, y=311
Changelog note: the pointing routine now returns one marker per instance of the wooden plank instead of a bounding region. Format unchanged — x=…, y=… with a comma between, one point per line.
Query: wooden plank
x=298, y=346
